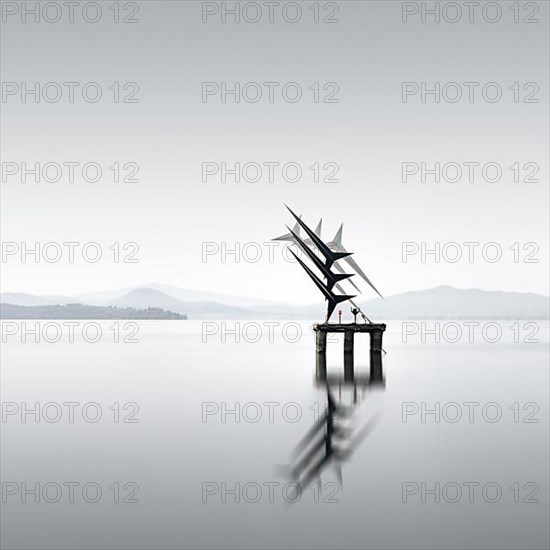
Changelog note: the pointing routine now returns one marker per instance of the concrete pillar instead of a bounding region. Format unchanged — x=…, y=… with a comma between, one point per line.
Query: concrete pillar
x=321, y=355
x=376, y=374
x=348, y=355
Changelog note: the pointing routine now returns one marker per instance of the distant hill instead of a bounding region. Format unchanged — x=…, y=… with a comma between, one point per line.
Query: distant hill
x=443, y=302
x=447, y=302
x=148, y=297
x=81, y=311
x=183, y=294
x=187, y=295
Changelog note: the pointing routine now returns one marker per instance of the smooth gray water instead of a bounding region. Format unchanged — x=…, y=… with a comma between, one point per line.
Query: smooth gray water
x=184, y=465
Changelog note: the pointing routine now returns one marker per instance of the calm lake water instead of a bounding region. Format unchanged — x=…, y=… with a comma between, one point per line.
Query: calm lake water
x=183, y=440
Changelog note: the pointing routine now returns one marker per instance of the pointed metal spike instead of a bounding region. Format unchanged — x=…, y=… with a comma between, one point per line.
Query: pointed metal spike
x=318, y=228
x=340, y=269
x=338, y=237
x=353, y=264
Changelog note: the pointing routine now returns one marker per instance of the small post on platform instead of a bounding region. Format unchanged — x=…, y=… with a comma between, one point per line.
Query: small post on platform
x=376, y=374
x=348, y=356
x=321, y=360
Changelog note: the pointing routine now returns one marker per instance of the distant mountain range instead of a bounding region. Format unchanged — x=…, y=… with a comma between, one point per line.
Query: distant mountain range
x=183, y=294
x=443, y=302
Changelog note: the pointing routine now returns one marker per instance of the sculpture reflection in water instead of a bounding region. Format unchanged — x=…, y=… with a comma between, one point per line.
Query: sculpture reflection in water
x=332, y=439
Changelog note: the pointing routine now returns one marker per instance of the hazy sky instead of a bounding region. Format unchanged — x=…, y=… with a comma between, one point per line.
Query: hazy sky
x=369, y=133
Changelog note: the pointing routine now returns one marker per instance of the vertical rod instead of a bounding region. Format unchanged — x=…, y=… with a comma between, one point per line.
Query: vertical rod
x=376, y=374
x=321, y=355
x=348, y=355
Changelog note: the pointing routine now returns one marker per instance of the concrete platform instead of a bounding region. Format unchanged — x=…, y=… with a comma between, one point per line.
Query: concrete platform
x=375, y=332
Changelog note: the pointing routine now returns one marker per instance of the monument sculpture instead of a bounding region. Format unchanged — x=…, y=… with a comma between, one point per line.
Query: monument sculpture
x=327, y=259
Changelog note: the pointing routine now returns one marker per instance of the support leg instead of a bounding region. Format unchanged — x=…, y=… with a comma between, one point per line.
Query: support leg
x=321, y=355
x=376, y=374
x=348, y=356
